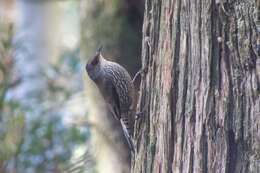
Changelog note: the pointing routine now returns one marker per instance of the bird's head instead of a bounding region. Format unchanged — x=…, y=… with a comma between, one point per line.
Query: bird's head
x=93, y=65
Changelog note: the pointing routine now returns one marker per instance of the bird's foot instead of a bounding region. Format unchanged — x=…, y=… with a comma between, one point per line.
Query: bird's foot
x=140, y=72
x=139, y=115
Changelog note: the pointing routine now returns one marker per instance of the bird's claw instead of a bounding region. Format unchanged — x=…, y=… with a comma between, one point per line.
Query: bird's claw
x=140, y=72
x=139, y=115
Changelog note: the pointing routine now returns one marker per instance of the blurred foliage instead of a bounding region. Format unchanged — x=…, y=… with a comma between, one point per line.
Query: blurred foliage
x=11, y=115
x=68, y=66
x=48, y=145
x=38, y=140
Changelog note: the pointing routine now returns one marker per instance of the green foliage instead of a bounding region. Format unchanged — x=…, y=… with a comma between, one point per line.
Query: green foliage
x=12, y=118
x=37, y=140
x=11, y=131
x=71, y=60
x=5, y=61
x=49, y=144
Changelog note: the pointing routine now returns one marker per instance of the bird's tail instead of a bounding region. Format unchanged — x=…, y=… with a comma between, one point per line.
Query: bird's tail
x=127, y=136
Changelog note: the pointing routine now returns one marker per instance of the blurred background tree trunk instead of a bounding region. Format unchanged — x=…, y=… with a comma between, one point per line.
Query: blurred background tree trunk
x=202, y=88
x=117, y=26
x=35, y=46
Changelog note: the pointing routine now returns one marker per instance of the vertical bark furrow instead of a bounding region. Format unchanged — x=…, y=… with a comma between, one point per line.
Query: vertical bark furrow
x=204, y=150
x=175, y=75
x=232, y=155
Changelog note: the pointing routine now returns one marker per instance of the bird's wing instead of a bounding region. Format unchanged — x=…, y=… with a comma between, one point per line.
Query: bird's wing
x=114, y=92
x=123, y=88
x=127, y=135
x=112, y=99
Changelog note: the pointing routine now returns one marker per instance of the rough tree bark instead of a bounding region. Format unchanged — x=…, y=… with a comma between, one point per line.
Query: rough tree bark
x=202, y=88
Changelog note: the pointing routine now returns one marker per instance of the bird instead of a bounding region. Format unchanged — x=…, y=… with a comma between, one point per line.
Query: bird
x=117, y=88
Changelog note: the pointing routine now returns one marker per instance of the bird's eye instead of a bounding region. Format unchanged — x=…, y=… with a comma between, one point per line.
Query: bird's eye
x=95, y=60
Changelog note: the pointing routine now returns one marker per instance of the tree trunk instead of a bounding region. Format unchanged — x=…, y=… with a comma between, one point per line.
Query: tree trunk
x=201, y=87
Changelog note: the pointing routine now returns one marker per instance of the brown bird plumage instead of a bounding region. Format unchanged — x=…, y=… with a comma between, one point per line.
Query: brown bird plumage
x=117, y=88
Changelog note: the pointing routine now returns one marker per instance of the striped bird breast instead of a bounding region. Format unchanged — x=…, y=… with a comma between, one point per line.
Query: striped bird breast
x=123, y=84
